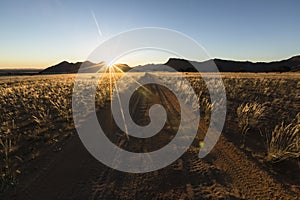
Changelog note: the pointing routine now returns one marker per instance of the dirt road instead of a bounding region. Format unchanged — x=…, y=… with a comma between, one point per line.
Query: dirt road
x=72, y=173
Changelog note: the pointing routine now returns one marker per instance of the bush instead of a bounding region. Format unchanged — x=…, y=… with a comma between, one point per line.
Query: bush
x=249, y=116
x=285, y=141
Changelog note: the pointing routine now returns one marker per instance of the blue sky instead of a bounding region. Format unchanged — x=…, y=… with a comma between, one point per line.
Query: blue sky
x=42, y=33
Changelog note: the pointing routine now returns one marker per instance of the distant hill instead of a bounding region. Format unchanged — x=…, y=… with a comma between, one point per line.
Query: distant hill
x=123, y=67
x=289, y=65
x=66, y=67
x=86, y=67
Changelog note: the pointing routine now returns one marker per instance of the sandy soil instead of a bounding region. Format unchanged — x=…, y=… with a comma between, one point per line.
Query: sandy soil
x=70, y=172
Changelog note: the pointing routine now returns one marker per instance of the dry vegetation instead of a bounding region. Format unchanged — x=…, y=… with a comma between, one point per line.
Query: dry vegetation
x=263, y=110
x=36, y=111
x=285, y=141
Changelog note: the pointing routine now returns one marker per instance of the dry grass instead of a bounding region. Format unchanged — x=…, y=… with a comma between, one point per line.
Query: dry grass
x=285, y=141
x=34, y=109
x=8, y=175
x=249, y=116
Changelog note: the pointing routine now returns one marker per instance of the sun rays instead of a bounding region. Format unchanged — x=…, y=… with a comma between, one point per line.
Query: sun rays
x=113, y=74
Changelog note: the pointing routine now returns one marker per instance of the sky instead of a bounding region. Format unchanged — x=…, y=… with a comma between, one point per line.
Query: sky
x=41, y=33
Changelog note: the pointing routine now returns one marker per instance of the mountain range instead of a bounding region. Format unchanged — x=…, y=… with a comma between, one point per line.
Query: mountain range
x=288, y=65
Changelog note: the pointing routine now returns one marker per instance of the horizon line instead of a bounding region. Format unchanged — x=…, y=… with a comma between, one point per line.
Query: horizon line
x=73, y=62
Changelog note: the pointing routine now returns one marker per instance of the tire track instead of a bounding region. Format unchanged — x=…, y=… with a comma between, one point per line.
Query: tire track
x=245, y=175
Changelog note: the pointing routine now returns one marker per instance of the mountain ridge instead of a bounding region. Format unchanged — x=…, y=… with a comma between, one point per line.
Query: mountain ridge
x=287, y=65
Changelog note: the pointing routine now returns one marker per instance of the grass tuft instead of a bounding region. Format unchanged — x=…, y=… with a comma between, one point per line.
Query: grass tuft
x=285, y=141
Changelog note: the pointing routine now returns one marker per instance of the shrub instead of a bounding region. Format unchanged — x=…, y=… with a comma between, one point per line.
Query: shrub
x=285, y=141
x=249, y=116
